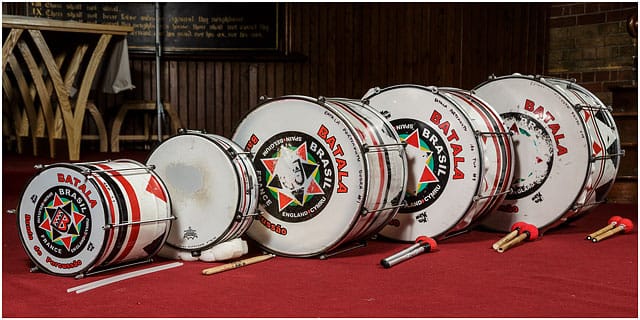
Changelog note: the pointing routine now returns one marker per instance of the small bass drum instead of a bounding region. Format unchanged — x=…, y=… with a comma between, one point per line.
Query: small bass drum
x=567, y=149
x=74, y=219
x=330, y=171
x=460, y=158
x=213, y=187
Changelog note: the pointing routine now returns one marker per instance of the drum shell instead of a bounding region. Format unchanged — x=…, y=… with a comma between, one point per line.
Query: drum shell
x=213, y=186
x=72, y=210
x=448, y=161
x=575, y=174
x=323, y=133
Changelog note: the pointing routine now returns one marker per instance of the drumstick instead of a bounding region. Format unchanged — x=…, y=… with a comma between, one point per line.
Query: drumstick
x=613, y=221
x=419, y=241
x=237, y=264
x=529, y=232
x=515, y=228
x=110, y=280
x=624, y=225
x=429, y=246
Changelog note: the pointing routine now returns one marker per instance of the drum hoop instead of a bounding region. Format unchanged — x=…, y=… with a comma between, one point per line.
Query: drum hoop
x=567, y=212
x=464, y=114
x=218, y=144
x=40, y=266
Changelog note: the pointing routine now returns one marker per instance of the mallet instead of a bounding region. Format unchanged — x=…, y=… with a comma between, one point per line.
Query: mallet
x=515, y=229
x=419, y=241
x=529, y=232
x=613, y=221
x=427, y=246
x=623, y=225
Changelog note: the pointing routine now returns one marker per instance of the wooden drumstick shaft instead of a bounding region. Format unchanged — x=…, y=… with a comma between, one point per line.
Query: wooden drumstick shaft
x=237, y=264
x=601, y=231
x=608, y=233
x=505, y=239
x=523, y=236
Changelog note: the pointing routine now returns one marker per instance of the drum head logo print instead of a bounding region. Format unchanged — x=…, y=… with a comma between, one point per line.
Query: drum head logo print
x=297, y=176
x=427, y=157
x=62, y=227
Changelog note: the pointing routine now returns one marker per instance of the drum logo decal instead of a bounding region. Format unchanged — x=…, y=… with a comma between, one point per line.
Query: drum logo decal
x=297, y=176
x=63, y=223
x=535, y=153
x=429, y=163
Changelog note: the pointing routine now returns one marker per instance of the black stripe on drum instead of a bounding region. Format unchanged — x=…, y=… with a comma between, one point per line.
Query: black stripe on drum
x=124, y=213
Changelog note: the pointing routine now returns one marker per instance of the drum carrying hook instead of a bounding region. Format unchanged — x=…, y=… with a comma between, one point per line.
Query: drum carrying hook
x=117, y=225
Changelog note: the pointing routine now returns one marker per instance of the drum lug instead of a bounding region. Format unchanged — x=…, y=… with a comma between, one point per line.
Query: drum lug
x=321, y=99
x=580, y=206
x=264, y=98
x=492, y=76
x=579, y=107
x=118, y=225
x=34, y=269
x=479, y=197
x=11, y=211
x=381, y=147
x=609, y=156
x=483, y=133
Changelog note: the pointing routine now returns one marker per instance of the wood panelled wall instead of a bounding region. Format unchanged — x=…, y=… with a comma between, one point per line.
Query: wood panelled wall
x=342, y=50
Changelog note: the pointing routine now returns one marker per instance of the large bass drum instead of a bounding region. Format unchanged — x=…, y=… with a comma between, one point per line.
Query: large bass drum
x=567, y=149
x=213, y=187
x=74, y=219
x=330, y=171
x=459, y=154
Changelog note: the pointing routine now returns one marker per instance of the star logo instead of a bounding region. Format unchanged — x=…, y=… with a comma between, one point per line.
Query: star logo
x=420, y=162
x=292, y=176
x=62, y=222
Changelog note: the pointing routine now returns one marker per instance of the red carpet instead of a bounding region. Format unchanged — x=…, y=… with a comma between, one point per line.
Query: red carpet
x=560, y=275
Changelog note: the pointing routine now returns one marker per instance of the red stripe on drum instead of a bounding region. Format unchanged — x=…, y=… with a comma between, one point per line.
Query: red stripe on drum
x=134, y=213
x=112, y=212
x=154, y=188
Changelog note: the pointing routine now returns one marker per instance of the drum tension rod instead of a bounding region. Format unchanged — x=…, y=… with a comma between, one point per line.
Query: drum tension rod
x=114, y=225
x=477, y=197
x=91, y=171
x=481, y=133
x=368, y=148
x=120, y=266
x=361, y=244
x=580, y=206
x=579, y=107
x=366, y=211
x=609, y=156
x=239, y=215
x=43, y=166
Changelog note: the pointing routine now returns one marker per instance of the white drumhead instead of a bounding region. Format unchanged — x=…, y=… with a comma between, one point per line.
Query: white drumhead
x=204, y=189
x=311, y=174
x=60, y=218
x=443, y=157
x=551, y=148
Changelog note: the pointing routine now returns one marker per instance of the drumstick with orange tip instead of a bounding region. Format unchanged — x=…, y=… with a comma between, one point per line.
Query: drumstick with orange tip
x=623, y=225
x=515, y=229
x=613, y=221
x=237, y=264
x=529, y=232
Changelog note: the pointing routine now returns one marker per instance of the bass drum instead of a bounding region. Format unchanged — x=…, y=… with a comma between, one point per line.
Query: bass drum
x=213, y=187
x=460, y=158
x=330, y=171
x=567, y=149
x=77, y=218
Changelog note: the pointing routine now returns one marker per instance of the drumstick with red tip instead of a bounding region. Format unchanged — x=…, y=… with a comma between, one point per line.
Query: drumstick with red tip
x=426, y=245
x=623, y=225
x=419, y=241
x=515, y=229
x=529, y=232
x=613, y=221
